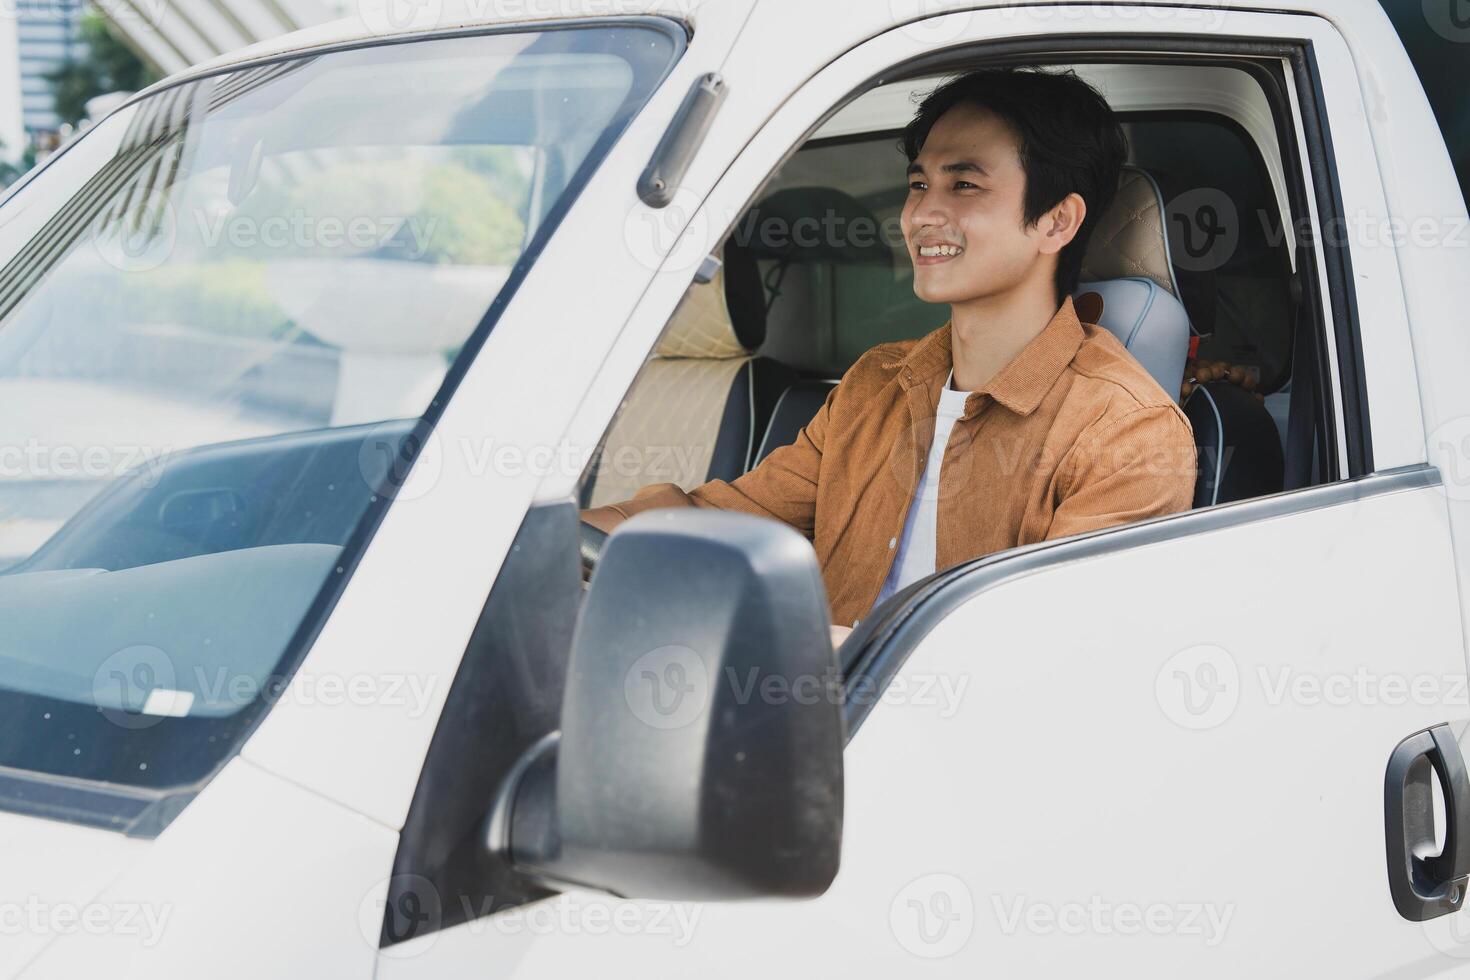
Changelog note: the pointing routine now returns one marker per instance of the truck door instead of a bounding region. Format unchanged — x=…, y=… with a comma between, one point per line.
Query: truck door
x=1172, y=751
x=1157, y=747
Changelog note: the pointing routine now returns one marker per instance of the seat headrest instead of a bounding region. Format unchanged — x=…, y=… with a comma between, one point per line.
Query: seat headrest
x=1131, y=239
x=725, y=317
x=815, y=224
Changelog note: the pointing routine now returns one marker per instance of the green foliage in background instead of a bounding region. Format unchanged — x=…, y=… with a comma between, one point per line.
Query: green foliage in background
x=466, y=208
x=228, y=298
x=472, y=225
x=106, y=65
x=8, y=171
x=463, y=208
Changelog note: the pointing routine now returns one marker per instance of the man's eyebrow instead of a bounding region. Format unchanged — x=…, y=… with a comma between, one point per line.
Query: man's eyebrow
x=958, y=167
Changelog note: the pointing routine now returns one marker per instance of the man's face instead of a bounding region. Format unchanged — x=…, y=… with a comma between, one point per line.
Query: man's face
x=966, y=190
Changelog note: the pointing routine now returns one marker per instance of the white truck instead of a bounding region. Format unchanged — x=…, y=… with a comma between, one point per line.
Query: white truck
x=309, y=356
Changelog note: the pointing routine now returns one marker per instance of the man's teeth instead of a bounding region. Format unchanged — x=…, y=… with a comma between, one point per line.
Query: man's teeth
x=931, y=250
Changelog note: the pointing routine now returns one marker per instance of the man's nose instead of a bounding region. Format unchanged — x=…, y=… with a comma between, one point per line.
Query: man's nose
x=927, y=214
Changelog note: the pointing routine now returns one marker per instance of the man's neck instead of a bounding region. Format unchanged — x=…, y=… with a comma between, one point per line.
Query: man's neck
x=987, y=333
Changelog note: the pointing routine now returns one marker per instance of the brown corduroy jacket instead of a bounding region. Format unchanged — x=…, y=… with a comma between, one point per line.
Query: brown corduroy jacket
x=1072, y=435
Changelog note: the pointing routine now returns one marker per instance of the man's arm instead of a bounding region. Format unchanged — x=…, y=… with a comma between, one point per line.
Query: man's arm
x=783, y=486
x=1137, y=466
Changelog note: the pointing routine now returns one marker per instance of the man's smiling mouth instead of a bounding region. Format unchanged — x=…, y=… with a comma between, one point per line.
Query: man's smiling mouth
x=934, y=254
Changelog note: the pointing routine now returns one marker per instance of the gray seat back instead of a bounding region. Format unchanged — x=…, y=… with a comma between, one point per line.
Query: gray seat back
x=1150, y=322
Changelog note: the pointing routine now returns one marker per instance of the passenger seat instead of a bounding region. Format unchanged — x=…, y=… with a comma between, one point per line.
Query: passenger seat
x=701, y=403
x=1239, y=450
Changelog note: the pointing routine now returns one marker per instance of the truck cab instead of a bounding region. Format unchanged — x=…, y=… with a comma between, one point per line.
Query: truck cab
x=310, y=356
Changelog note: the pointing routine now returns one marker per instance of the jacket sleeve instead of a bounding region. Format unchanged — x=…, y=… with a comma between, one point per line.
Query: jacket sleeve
x=1137, y=466
x=783, y=486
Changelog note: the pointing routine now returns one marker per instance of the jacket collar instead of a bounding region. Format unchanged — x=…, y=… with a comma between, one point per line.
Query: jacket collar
x=1022, y=383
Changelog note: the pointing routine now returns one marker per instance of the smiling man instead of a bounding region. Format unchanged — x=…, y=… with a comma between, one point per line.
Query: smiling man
x=1014, y=422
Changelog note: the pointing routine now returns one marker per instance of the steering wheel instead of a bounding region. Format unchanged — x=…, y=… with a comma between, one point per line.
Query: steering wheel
x=589, y=547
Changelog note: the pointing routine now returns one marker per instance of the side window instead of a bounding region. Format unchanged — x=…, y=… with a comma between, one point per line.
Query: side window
x=836, y=294
x=1436, y=33
x=1211, y=181
x=1230, y=251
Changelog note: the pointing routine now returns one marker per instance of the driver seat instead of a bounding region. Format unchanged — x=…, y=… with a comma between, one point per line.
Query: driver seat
x=701, y=402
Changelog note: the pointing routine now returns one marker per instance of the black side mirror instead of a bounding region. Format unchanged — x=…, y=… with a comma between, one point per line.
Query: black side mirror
x=700, y=756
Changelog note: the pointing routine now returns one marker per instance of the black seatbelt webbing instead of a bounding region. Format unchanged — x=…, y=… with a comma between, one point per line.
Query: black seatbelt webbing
x=1301, y=419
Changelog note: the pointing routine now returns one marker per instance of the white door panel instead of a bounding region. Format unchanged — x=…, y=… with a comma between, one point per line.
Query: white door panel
x=1166, y=758
x=1194, y=731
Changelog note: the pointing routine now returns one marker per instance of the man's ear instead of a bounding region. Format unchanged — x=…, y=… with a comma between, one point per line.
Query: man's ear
x=1061, y=224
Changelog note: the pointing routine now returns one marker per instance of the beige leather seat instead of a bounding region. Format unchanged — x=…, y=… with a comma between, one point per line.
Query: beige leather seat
x=701, y=404
x=1131, y=239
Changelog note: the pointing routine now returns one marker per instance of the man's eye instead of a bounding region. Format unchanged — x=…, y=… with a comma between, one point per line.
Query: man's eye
x=916, y=185
x=965, y=185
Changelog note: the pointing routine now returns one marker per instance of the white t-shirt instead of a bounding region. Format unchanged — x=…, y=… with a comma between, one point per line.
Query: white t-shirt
x=915, y=558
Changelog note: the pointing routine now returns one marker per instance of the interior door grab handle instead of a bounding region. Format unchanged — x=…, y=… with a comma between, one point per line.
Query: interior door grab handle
x=1426, y=883
x=686, y=132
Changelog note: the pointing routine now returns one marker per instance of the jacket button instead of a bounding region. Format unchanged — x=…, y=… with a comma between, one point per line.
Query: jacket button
x=892, y=543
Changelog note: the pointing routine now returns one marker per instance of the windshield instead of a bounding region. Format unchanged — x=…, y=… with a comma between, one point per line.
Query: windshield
x=225, y=314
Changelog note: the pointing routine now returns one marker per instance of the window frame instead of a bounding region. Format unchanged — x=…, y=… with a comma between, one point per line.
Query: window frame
x=1302, y=133
x=1345, y=459
x=1343, y=421
x=1338, y=456
x=874, y=653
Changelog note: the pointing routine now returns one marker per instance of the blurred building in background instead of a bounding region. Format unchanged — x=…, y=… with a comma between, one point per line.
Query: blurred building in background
x=38, y=37
x=174, y=34
x=48, y=35
x=59, y=55
x=12, y=130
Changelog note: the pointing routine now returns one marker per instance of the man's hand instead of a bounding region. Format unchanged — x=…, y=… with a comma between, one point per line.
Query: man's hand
x=840, y=633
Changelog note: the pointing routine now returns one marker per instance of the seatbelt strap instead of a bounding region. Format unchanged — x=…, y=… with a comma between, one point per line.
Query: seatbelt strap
x=1301, y=419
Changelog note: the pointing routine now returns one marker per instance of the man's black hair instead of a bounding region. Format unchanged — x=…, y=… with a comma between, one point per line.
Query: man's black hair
x=1068, y=137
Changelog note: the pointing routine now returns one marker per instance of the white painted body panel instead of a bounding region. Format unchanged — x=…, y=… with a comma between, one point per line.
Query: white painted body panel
x=51, y=868
x=257, y=878
x=1059, y=776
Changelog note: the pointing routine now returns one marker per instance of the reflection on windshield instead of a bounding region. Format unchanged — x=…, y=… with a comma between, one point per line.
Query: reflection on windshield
x=243, y=268
x=220, y=332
